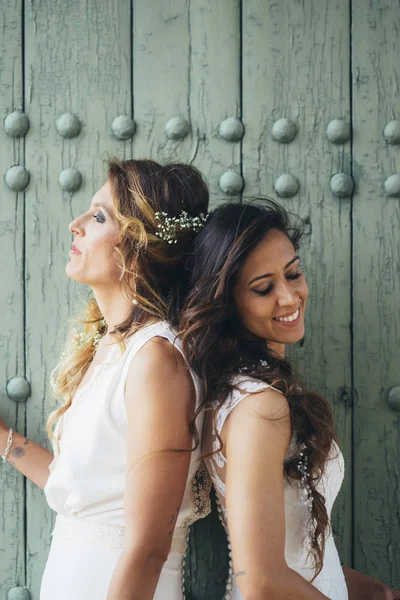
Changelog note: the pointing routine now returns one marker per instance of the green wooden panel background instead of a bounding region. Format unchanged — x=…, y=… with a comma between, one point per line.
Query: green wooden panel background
x=205, y=61
x=12, y=297
x=376, y=268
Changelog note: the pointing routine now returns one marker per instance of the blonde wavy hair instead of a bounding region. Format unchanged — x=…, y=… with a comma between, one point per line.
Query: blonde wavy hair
x=150, y=267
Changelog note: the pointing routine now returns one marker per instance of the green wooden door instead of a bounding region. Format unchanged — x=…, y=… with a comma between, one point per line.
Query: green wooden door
x=312, y=86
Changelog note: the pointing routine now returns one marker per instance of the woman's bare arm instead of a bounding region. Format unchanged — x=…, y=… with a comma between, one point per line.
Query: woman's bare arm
x=256, y=436
x=363, y=587
x=31, y=459
x=160, y=400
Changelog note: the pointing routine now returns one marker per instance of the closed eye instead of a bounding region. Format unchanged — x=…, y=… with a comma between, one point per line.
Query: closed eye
x=271, y=286
x=99, y=217
x=264, y=292
x=294, y=276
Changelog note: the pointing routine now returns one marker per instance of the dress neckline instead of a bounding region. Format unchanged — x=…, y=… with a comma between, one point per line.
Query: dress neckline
x=113, y=355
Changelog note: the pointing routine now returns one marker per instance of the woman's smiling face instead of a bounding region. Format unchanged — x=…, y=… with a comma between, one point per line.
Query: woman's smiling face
x=271, y=291
x=96, y=233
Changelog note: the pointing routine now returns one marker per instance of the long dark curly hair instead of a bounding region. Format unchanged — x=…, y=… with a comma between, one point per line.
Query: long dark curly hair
x=218, y=347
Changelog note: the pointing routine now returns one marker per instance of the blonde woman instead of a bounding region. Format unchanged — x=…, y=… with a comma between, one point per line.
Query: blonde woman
x=122, y=479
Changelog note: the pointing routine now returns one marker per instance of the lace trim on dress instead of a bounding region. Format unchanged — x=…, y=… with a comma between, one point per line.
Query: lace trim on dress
x=201, y=488
x=87, y=533
x=244, y=387
x=217, y=481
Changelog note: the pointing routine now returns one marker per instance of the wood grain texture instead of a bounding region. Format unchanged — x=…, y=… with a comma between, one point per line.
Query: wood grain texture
x=161, y=78
x=295, y=66
x=215, y=87
x=12, y=359
x=214, y=95
x=376, y=255
x=207, y=559
x=78, y=60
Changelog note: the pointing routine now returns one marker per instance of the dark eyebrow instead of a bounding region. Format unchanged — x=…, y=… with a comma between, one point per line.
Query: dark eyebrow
x=270, y=274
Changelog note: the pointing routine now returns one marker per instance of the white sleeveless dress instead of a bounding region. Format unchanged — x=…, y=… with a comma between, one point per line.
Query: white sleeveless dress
x=330, y=580
x=86, y=486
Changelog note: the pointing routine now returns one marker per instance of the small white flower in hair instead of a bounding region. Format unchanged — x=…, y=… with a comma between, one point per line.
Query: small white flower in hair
x=168, y=227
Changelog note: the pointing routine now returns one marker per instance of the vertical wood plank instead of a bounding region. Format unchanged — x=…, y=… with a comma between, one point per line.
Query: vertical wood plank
x=214, y=95
x=161, y=63
x=12, y=360
x=376, y=257
x=78, y=61
x=215, y=87
x=295, y=66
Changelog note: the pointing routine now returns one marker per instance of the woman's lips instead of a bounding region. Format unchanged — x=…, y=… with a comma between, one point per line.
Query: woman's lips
x=289, y=320
x=74, y=250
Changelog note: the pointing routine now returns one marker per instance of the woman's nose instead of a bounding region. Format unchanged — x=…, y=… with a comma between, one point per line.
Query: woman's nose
x=76, y=226
x=286, y=296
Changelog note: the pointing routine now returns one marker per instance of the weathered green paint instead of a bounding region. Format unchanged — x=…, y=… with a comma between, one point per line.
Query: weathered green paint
x=78, y=61
x=161, y=71
x=376, y=260
x=202, y=62
x=293, y=67
x=12, y=359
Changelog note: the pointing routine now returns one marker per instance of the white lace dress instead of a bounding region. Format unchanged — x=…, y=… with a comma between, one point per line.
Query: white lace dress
x=86, y=487
x=330, y=580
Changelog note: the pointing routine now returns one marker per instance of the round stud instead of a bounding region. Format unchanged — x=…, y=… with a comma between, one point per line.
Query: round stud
x=231, y=129
x=393, y=398
x=17, y=178
x=392, y=132
x=68, y=125
x=18, y=389
x=16, y=124
x=338, y=131
x=176, y=128
x=231, y=183
x=70, y=180
x=18, y=593
x=123, y=127
x=286, y=185
x=392, y=185
x=342, y=185
x=284, y=131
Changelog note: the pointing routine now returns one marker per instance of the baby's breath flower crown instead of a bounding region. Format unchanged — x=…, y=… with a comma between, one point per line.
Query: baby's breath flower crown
x=168, y=227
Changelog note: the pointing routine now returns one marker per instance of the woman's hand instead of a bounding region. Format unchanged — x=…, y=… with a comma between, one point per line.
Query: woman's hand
x=26, y=456
x=364, y=587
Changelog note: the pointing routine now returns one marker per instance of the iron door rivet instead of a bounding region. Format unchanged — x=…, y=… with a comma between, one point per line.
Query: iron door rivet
x=16, y=124
x=231, y=183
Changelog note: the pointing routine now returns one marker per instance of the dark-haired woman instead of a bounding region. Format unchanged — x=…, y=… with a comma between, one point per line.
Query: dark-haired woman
x=272, y=450
x=122, y=494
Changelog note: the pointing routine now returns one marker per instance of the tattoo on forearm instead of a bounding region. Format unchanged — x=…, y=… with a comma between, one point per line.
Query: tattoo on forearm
x=239, y=573
x=18, y=452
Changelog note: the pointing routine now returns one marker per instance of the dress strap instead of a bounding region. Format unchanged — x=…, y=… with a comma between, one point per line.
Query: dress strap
x=141, y=337
x=243, y=386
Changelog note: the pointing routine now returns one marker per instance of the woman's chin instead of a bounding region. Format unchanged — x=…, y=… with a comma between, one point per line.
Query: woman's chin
x=290, y=337
x=73, y=273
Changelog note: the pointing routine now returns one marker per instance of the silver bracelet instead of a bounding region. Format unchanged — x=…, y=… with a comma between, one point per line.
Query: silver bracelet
x=9, y=442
